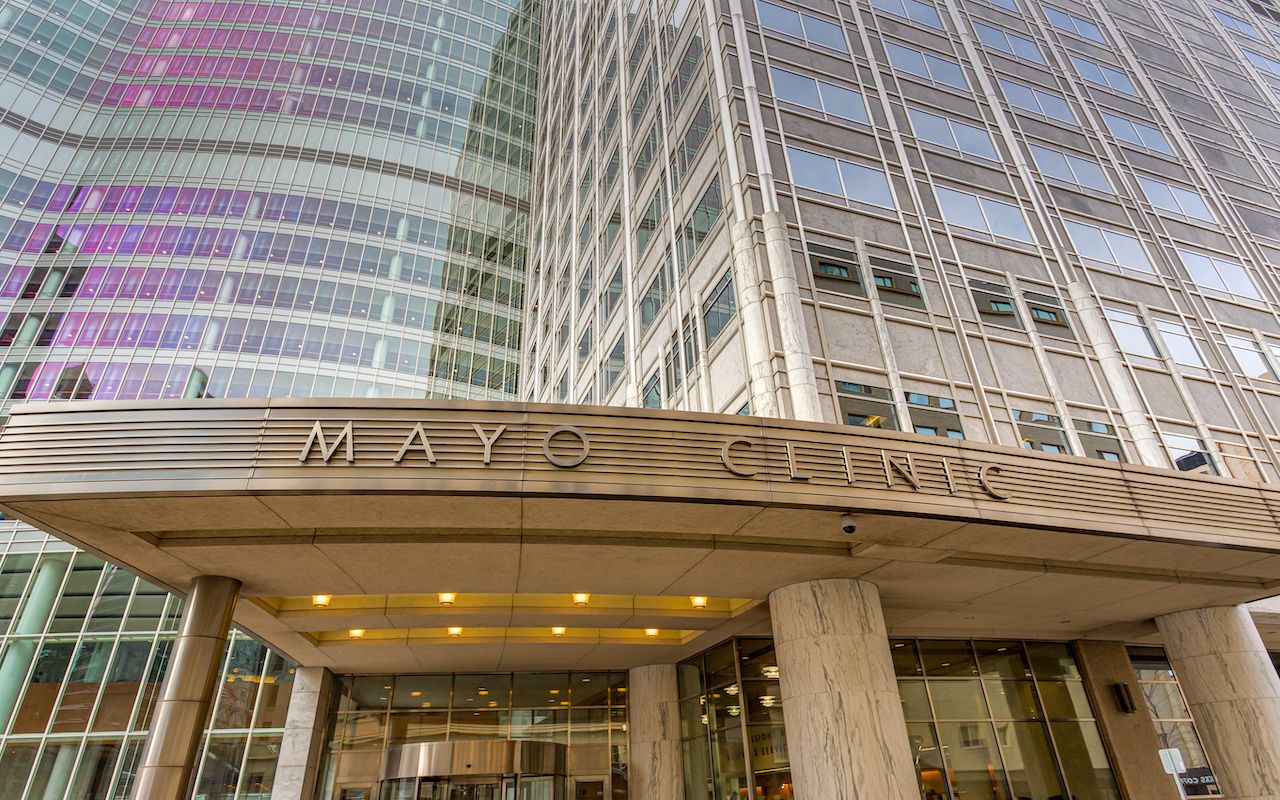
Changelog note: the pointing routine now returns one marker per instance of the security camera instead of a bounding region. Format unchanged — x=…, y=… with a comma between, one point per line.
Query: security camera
x=847, y=524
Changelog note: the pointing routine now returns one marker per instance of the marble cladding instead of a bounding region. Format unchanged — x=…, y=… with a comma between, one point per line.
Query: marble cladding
x=846, y=732
x=1234, y=694
x=653, y=725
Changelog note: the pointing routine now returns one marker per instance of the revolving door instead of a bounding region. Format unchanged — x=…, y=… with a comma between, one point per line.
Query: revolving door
x=479, y=770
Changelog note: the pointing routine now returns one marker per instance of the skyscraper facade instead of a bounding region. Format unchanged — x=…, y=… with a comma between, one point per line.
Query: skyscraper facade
x=894, y=414
x=229, y=200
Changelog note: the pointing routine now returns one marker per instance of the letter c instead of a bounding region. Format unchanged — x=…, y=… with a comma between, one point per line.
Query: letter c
x=726, y=455
x=984, y=479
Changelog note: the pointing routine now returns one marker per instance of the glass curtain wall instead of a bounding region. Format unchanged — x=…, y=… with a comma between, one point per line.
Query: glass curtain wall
x=1172, y=717
x=1001, y=720
x=586, y=711
x=84, y=649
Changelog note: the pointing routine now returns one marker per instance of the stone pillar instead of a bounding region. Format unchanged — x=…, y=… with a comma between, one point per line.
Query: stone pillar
x=1131, y=739
x=845, y=730
x=177, y=725
x=1234, y=694
x=35, y=615
x=298, y=764
x=653, y=727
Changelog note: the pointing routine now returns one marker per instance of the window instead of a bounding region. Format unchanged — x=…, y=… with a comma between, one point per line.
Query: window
x=1179, y=343
x=913, y=10
x=808, y=28
x=1250, y=358
x=1175, y=199
x=701, y=220
x=866, y=406
x=828, y=98
x=1172, y=718
x=1006, y=42
x=1112, y=248
x=1072, y=169
x=1037, y=101
x=1099, y=440
x=1189, y=454
x=934, y=68
x=1137, y=133
x=584, y=347
x=691, y=143
x=835, y=270
x=952, y=134
x=983, y=214
x=1041, y=431
x=652, y=395
x=689, y=339
x=719, y=307
x=612, y=292
x=896, y=282
x=1103, y=75
x=1264, y=63
x=671, y=366
x=841, y=178
x=654, y=298
x=1047, y=314
x=647, y=227
x=1131, y=333
x=1070, y=23
x=614, y=364
x=1211, y=272
x=994, y=304
x=1236, y=24
x=644, y=156
x=686, y=70
x=934, y=416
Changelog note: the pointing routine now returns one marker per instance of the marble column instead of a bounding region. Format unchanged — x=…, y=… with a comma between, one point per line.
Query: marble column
x=845, y=730
x=1234, y=694
x=298, y=765
x=653, y=728
x=177, y=726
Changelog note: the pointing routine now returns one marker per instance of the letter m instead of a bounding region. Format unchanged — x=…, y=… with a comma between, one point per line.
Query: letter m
x=327, y=450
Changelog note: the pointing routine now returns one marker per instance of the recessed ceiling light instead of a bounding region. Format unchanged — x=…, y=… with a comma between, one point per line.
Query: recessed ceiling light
x=455, y=631
x=447, y=598
x=321, y=600
x=698, y=601
x=355, y=633
x=581, y=598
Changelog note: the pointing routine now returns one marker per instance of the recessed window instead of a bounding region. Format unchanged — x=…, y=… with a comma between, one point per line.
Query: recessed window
x=1189, y=454
x=934, y=416
x=866, y=406
x=1008, y=42
x=994, y=304
x=1099, y=440
x=952, y=134
x=1078, y=26
x=1175, y=199
x=1110, y=248
x=1211, y=272
x=805, y=27
x=1042, y=431
x=1101, y=74
x=924, y=65
x=841, y=178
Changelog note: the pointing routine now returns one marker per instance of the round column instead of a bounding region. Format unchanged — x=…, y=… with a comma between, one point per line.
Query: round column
x=17, y=659
x=653, y=724
x=1234, y=694
x=177, y=726
x=845, y=730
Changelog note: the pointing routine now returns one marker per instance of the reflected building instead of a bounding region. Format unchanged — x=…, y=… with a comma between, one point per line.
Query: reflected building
x=225, y=200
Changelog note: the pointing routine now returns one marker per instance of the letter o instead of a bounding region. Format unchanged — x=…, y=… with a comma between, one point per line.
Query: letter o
x=561, y=461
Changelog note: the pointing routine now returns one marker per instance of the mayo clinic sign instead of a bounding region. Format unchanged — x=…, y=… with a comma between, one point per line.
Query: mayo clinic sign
x=569, y=446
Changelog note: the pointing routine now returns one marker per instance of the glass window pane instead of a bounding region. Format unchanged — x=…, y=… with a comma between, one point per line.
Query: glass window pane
x=958, y=699
x=1012, y=700
x=928, y=760
x=1084, y=760
x=947, y=659
x=973, y=760
x=1029, y=759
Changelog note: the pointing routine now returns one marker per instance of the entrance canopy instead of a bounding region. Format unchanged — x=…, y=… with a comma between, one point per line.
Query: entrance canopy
x=671, y=528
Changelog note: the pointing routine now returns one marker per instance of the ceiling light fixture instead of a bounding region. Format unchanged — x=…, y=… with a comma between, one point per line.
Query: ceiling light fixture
x=455, y=631
x=355, y=633
x=557, y=631
x=447, y=598
x=581, y=598
x=698, y=601
x=651, y=632
x=321, y=600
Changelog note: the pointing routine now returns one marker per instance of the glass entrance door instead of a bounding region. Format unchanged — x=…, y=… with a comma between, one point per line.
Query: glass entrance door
x=484, y=789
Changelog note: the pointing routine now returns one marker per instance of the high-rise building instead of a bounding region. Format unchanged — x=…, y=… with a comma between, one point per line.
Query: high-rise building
x=229, y=200
x=897, y=412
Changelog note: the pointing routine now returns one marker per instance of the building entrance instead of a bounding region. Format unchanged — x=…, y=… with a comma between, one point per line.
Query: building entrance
x=474, y=770
x=475, y=787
